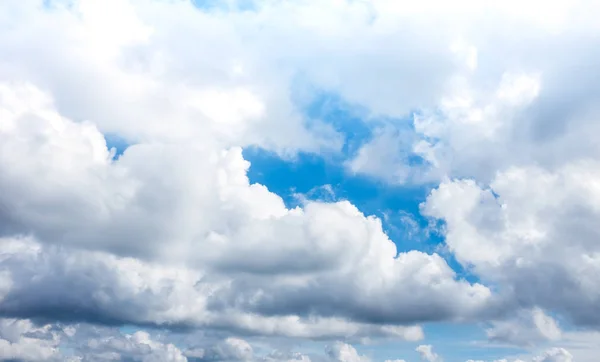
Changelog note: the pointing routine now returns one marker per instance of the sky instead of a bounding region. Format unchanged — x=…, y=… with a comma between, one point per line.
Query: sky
x=299, y=180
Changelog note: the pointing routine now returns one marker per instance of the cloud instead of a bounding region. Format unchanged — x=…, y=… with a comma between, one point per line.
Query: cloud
x=386, y=156
x=494, y=111
x=58, y=284
x=529, y=233
x=22, y=341
x=555, y=355
x=551, y=355
x=342, y=352
x=138, y=346
x=231, y=349
x=427, y=354
x=167, y=210
x=478, y=97
x=529, y=327
x=286, y=357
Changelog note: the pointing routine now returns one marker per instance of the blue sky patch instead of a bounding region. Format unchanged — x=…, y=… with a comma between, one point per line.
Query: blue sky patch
x=117, y=143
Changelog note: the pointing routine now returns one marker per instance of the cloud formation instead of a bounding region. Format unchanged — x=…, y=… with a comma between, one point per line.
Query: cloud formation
x=530, y=232
x=191, y=219
x=475, y=102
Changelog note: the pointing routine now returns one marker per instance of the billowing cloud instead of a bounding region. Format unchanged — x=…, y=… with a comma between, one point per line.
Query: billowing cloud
x=555, y=355
x=427, y=353
x=528, y=328
x=479, y=99
x=138, y=346
x=53, y=283
x=343, y=352
x=193, y=208
x=20, y=340
x=531, y=232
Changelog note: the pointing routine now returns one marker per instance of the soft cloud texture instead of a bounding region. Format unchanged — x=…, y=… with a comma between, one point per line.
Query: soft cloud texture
x=528, y=328
x=194, y=207
x=22, y=341
x=342, y=352
x=492, y=105
x=535, y=236
x=427, y=353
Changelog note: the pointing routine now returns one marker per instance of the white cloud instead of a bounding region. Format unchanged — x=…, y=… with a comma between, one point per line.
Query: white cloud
x=62, y=284
x=529, y=327
x=427, y=354
x=187, y=206
x=555, y=355
x=278, y=356
x=173, y=233
x=537, y=236
x=230, y=349
x=342, y=352
x=386, y=156
x=515, y=100
x=21, y=340
x=551, y=355
x=138, y=346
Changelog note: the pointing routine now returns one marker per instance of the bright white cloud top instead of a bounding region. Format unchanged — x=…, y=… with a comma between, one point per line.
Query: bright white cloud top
x=170, y=252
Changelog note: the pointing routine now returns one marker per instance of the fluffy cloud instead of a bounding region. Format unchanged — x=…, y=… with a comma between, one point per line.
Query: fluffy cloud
x=235, y=86
x=138, y=346
x=342, y=352
x=555, y=355
x=498, y=111
x=20, y=340
x=54, y=283
x=528, y=328
x=277, y=356
x=207, y=233
x=551, y=355
x=427, y=354
x=531, y=232
x=231, y=349
x=172, y=233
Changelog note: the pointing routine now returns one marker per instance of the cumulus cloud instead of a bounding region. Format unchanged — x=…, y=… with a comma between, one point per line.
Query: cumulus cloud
x=173, y=234
x=205, y=230
x=231, y=349
x=52, y=283
x=138, y=346
x=385, y=156
x=551, y=355
x=427, y=353
x=277, y=356
x=343, y=352
x=531, y=232
x=555, y=355
x=497, y=111
x=20, y=340
x=528, y=328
